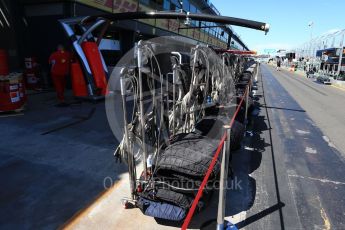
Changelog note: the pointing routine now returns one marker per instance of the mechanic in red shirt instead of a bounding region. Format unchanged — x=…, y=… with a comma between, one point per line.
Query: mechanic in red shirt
x=60, y=66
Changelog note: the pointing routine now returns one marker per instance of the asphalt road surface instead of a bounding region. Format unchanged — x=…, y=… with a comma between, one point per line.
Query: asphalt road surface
x=298, y=146
x=324, y=104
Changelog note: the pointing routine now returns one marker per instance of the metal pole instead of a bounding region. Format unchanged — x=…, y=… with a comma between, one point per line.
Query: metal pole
x=341, y=53
x=246, y=113
x=174, y=95
x=223, y=57
x=142, y=107
x=223, y=180
x=167, y=101
x=130, y=160
x=311, y=24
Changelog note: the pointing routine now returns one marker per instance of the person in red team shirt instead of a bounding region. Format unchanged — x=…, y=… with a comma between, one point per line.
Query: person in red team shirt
x=60, y=64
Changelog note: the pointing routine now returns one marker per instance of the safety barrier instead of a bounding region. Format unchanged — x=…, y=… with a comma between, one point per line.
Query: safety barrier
x=224, y=139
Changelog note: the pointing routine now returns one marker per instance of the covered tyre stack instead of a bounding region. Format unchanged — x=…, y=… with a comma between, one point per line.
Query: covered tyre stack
x=245, y=79
x=178, y=173
x=242, y=111
x=181, y=167
x=246, y=76
x=237, y=133
x=212, y=127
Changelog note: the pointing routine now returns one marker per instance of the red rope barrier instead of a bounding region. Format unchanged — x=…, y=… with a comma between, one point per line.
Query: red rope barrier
x=210, y=168
x=240, y=52
x=238, y=108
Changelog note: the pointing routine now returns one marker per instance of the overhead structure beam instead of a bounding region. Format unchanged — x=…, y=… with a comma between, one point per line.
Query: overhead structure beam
x=185, y=16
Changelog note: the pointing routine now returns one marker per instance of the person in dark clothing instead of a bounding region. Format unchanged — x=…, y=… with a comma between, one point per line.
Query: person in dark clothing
x=278, y=64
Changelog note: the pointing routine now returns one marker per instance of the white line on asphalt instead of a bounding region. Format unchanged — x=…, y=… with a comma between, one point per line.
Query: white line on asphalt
x=310, y=150
x=330, y=144
x=317, y=179
x=302, y=132
x=248, y=148
x=237, y=218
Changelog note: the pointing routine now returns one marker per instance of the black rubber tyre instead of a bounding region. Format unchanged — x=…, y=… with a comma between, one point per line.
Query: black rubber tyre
x=236, y=135
x=250, y=105
x=188, y=156
x=246, y=77
x=241, y=115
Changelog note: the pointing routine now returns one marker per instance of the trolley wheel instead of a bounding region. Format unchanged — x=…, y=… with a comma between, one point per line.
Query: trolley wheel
x=125, y=204
x=128, y=203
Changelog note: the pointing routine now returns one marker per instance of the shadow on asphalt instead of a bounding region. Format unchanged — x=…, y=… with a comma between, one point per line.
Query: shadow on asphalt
x=280, y=108
x=260, y=215
x=262, y=123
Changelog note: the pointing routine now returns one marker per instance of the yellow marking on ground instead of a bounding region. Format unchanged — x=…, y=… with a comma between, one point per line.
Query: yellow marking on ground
x=338, y=87
x=326, y=221
x=76, y=218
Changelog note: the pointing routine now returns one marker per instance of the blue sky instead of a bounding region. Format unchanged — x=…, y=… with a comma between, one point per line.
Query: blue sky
x=289, y=20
